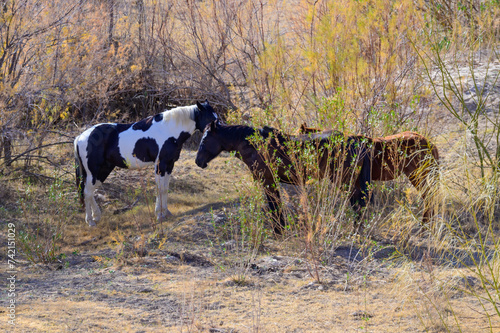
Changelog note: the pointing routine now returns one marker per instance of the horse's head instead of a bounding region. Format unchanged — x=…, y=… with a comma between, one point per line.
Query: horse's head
x=204, y=115
x=210, y=145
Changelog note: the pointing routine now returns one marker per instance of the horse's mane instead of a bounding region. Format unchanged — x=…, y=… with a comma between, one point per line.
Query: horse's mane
x=266, y=130
x=181, y=114
x=237, y=132
x=242, y=132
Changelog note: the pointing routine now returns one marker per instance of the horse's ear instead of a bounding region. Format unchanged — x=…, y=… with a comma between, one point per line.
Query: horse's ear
x=206, y=101
x=199, y=106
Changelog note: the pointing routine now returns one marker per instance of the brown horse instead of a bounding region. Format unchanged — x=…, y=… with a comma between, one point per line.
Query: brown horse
x=409, y=153
x=336, y=157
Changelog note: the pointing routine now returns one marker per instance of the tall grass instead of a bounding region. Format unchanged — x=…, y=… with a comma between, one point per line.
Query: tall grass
x=43, y=220
x=461, y=67
x=240, y=233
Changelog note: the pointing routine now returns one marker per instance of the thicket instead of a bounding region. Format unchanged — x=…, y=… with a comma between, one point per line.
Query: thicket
x=298, y=60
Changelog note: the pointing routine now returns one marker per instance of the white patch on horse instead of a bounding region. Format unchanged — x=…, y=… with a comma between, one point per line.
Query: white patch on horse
x=180, y=114
x=204, y=136
x=82, y=141
x=174, y=122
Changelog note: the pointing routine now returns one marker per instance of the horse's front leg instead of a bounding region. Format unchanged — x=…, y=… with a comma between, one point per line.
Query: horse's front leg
x=162, y=177
x=274, y=203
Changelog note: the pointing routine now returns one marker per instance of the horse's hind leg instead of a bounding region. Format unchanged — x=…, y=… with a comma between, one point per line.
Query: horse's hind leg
x=358, y=201
x=92, y=211
x=97, y=175
x=424, y=180
x=428, y=197
x=96, y=212
x=103, y=173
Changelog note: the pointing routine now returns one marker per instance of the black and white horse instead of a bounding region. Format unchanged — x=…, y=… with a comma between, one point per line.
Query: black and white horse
x=157, y=139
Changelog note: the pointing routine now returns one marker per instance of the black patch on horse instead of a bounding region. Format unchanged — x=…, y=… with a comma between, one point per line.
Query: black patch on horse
x=144, y=124
x=182, y=138
x=120, y=127
x=146, y=149
x=203, y=115
x=102, y=150
x=159, y=117
x=171, y=148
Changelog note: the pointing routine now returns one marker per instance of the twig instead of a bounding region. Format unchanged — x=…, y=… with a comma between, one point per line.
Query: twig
x=126, y=208
x=36, y=175
x=60, y=133
x=36, y=148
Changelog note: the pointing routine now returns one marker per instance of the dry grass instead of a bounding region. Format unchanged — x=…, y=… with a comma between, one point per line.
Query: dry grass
x=203, y=275
x=183, y=299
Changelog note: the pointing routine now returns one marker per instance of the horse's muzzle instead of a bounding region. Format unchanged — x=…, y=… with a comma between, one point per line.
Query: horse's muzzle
x=201, y=164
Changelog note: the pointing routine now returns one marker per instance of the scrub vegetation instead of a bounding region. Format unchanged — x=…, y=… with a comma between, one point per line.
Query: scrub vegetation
x=375, y=67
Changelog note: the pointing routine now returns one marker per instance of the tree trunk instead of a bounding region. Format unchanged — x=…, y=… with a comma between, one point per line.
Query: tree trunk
x=111, y=13
x=7, y=149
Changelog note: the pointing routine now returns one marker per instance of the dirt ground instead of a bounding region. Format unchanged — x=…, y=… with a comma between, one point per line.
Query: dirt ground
x=121, y=276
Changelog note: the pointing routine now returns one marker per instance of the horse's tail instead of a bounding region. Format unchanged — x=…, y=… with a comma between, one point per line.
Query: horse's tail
x=80, y=173
x=434, y=163
x=365, y=176
x=431, y=189
x=359, y=149
x=434, y=152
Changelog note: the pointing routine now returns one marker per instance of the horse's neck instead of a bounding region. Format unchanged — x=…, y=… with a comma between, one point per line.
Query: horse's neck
x=188, y=126
x=238, y=146
x=236, y=143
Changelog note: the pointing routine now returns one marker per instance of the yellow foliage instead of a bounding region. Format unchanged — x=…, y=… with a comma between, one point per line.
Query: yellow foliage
x=282, y=57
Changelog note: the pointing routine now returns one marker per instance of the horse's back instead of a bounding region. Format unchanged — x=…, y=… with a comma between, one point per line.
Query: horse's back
x=102, y=135
x=407, y=139
x=325, y=136
x=406, y=136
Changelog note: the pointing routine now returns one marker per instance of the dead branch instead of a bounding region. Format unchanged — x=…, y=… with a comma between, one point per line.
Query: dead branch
x=34, y=149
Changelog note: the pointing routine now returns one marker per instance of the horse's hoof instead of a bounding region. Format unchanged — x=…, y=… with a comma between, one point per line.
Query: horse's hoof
x=91, y=223
x=163, y=217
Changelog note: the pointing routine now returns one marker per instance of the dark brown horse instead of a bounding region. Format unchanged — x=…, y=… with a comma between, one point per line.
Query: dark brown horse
x=406, y=153
x=342, y=159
